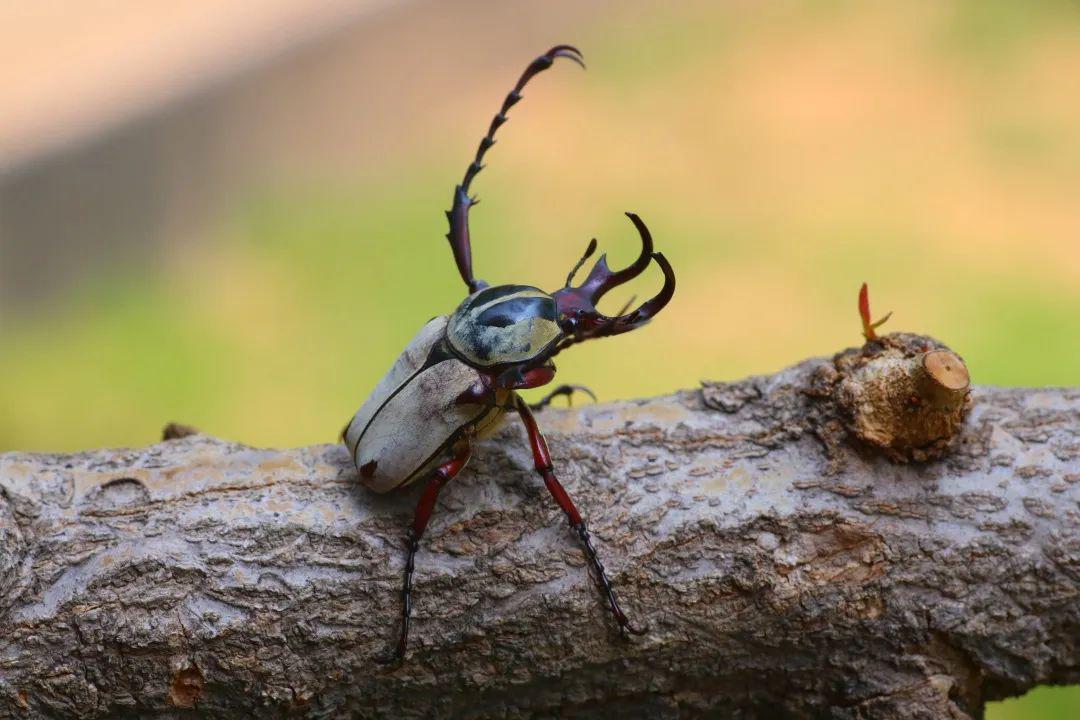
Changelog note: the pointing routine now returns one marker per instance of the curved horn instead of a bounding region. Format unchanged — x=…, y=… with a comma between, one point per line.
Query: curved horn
x=601, y=278
x=648, y=309
x=577, y=306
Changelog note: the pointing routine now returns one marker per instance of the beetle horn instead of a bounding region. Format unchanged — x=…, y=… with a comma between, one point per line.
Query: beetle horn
x=601, y=278
x=588, y=254
x=577, y=305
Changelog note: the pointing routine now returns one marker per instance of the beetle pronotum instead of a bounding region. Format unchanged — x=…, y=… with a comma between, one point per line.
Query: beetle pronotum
x=457, y=378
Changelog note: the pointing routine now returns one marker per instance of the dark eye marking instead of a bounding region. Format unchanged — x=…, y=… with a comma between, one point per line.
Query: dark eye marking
x=499, y=321
x=517, y=310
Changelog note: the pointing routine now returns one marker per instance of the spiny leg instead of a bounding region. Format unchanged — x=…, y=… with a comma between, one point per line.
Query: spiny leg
x=542, y=462
x=567, y=390
x=458, y=214
x=440, y=476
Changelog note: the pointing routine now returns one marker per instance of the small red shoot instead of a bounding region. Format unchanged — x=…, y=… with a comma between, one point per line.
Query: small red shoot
x=864, y=313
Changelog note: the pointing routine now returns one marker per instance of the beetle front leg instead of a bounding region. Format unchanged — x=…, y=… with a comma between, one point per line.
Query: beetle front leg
x=567, y=390
x=440, y=476
x=458, y=214
x=542, y=462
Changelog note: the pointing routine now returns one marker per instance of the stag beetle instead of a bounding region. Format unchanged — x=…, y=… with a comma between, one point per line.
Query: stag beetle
x=457, y=378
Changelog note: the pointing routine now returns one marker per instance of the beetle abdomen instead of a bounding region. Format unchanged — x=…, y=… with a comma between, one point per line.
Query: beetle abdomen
x=413, y=414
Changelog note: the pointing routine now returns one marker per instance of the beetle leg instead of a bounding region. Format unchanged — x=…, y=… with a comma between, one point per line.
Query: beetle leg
x=567, y=390
x=517, y=379
x=542, y=462
x=440, y=476
x=458, y=214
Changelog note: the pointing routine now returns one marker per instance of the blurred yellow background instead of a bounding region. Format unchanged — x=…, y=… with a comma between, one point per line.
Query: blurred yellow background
x=230, y=214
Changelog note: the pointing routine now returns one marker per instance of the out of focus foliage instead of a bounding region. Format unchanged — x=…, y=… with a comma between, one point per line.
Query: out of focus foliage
x=781, y=155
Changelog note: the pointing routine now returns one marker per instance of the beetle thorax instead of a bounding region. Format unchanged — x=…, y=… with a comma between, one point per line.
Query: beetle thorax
x=505, y=324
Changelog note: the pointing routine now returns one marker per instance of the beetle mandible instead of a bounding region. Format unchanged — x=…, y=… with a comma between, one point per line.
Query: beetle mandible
x=457, y=378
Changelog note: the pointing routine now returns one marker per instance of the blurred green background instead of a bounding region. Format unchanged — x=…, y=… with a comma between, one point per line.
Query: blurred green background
x=781, y=153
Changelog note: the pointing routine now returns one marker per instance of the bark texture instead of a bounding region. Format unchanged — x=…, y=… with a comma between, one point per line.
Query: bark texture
x=781, y=571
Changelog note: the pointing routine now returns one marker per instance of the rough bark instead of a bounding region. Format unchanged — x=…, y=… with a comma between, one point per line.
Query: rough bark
x=781, y=572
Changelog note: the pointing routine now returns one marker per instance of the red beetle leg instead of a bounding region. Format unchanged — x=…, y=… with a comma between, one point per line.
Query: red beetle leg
x=517, y=379
x=542, y=462
x=440, y=476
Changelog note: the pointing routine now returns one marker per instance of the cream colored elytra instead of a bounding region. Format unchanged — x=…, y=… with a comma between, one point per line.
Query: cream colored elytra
x=413, y=415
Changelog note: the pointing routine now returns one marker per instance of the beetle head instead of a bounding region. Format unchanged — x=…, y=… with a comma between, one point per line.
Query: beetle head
x=578, y=316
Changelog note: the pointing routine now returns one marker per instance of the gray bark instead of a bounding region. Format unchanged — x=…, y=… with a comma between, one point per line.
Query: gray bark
x=779, y=574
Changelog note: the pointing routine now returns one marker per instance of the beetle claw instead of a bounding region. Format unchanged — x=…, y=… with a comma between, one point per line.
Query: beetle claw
x=567, y=51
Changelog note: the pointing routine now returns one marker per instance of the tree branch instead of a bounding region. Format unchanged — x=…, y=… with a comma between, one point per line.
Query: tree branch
x=781, y=570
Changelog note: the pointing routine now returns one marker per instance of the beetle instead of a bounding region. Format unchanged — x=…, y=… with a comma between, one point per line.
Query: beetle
x=457, y=378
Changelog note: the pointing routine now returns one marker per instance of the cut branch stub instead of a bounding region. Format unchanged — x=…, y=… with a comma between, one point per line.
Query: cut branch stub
x=904, y=394
x=947, y=375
